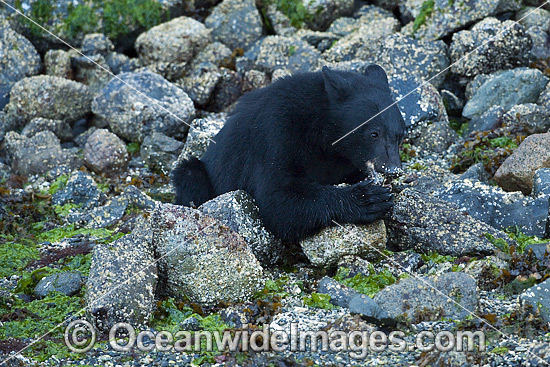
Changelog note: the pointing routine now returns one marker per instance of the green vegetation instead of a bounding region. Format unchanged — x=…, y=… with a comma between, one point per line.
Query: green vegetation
x=15, y=257
x=133, y=148
x=435, y=258
x=64, y=210
x=293, y=9
x=368, y=285
x=58, y=184
x=111, y=17
x=487, y=148
x=318, y=300
x=458, y=126
x=522, y=240
x=425, y=12
x=418, y=166
x=274, y=288
x=407, y=152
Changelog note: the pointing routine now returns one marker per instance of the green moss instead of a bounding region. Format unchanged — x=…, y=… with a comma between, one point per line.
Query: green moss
x=368, y=285
x=458, y=126
x=274, y=288
x=293, y=9
x=425, y=12
x=133, y=148
x=291, y=50
x=318, y=300
x=80, y=20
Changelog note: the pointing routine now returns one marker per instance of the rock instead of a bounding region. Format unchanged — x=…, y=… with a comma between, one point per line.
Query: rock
x=449, y=16
x=80, y=190
x=300, y=319
x=37, y=155
x=477, y=172
x=122, y=282
x=254, y=79
x=528, y=118
x=427, y=61
x=201, y=84
x=544, y=98
x=61, y=129
x=281, y=24
x=537, y=23
x=68, y=284
x=536, y=353
x=488, y=121
x=120, y=63
x=322, y=41
x=541, y=182
x=324, y=12
x=50, y=97
x=498, y=46
x=427, y=224
x=201, y=134
x=228, y=90
x=176, y=41
x=453, y=103
x=451, y=295
x=208, y=263
x=406, y=262
x=486, y=271
x=436, y=137
x=215, y=53
x=536, y=298
x=506, y=89
x=293, y=54
x=141, y=103
x=540, y=250
x=354, y=265
x=344, y=26
x=518, y=170
x=330, y=244
x=497, y=208
x=235, y=23
x=190, y=324
x=238, y=211
x=367, y=307
x=105, y=153
x=160, y=151
x=364, y=42
x=58, y=63
x=92, y=71
x=19, y=60
x=96, y=44
x=340, y=295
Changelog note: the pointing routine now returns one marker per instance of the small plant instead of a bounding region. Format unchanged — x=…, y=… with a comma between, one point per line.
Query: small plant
x=407, y=152
x=425, y=12
x=368, y=285
x=133, y=148
x=318, y=300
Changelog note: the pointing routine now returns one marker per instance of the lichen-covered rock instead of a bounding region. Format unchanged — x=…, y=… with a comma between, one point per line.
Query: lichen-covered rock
x=293, y=54
x=537, y=23
x=436, y=137
x=498, y=46
x=489, y=120
x=506, y=89
x=61, y=129
x=450, y=295
x=340, y=295
x=324, y=12
x=96, y=44
x=105, y=153
x=322, y=41
x=536, y=299
x=518, y=170
x=160, y=151
x=91, y=70
x=122, y=282
x=496, y=207
x=215, y=53
x=68, y=284
x=201, y=134
x=238, y=210
x=58, y=63
x=235, y=23
x=201, y=83
x=228, y=89
x=327, y=247
x=427, y=224
x=139, y=103
x=201, y=258
x=255, y=79
x=541, y=183
x=449, y=16
x=80, y=189
x=527, y=118
x=38, y=154
x=176, y=41
x=281, y=24
x=18, y=59
x=50, y=97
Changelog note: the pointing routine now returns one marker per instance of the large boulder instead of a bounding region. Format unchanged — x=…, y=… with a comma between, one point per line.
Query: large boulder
x=136, y=104
x=18, y=59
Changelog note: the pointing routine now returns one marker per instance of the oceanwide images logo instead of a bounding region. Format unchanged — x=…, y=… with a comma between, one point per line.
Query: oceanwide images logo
x=80, y=337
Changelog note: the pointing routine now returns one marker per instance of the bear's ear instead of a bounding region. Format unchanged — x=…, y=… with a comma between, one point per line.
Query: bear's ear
x=337, y=87
x=376, y=73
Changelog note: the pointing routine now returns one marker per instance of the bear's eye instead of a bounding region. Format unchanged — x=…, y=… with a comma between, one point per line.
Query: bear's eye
x=374, y=135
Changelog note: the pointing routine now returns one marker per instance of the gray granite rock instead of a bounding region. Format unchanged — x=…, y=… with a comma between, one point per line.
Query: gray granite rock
x=235, y=23
x=436, y=137
x=427, y=224
x=96, y=44
x=498, y=46
x=201, y=135
x=324, y=12
x=68, y=284
x=340, y=295
x=536, y=299
x=238, y=211
x=367, y=308
x=92, y=71
x=328, y=246
x=293, y=54
x=160, y=151
x=527, y=118
x=140, y=103
x=18, y=59
x=105, y=153
x=450, y=295
x=58, y=63
x=201, y=83
x=176, y=41
x=489, y=120
x=61, y=129
x=541, y=182
x=80, y=189
x=506, y=89
x=50, y=97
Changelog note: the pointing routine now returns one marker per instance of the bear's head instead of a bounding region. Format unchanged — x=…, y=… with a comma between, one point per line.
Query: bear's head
x=369, y=123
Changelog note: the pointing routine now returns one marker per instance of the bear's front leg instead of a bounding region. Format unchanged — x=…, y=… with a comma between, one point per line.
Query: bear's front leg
x=299, y=210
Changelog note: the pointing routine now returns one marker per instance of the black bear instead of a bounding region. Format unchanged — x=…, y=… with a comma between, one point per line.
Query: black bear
x=279, y=145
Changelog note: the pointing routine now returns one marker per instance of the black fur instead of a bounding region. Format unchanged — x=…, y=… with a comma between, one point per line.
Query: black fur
x=278, y=146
